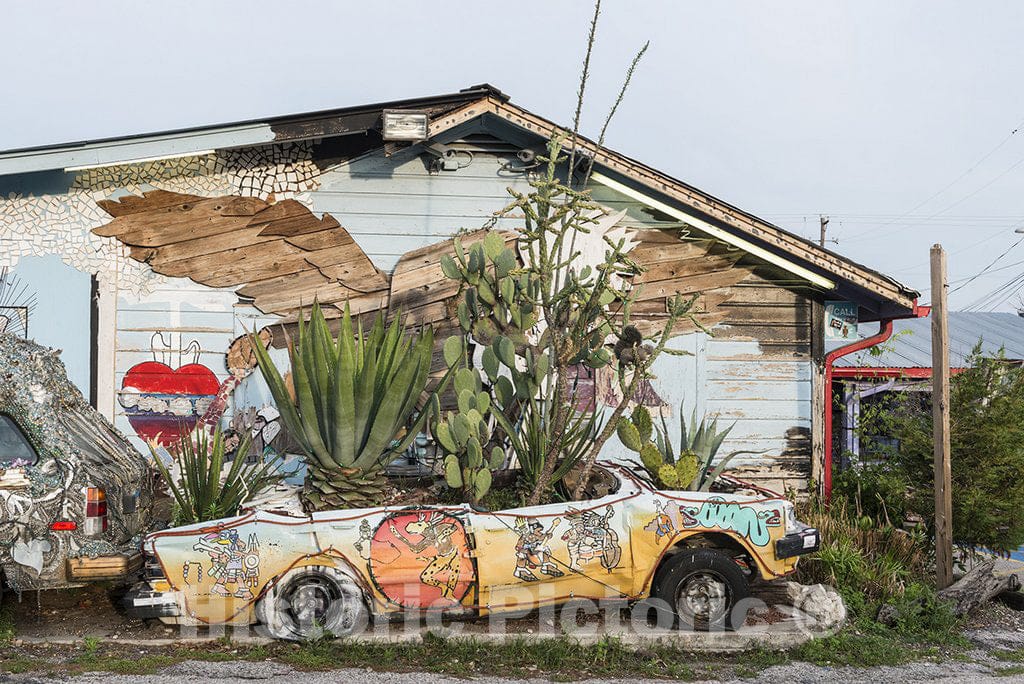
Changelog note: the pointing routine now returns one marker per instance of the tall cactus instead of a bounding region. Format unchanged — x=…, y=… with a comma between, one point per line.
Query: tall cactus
x=354, y=397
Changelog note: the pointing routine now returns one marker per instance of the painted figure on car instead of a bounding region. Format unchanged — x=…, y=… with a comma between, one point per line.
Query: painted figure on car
x=532, y=551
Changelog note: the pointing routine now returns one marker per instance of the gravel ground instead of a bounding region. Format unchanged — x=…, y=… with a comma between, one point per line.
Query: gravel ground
x=796, y=673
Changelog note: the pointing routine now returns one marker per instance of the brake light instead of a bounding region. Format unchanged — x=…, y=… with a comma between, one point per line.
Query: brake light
x=64, y=526
x=95, y=511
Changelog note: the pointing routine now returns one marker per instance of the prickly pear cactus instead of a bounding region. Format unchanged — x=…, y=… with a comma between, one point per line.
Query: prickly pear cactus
x=464, y=434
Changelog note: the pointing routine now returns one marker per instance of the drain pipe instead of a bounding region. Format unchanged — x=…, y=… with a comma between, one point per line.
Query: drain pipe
x=884, y=333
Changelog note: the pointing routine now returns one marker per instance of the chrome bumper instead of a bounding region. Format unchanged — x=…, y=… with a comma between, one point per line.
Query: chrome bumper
x=144, y=603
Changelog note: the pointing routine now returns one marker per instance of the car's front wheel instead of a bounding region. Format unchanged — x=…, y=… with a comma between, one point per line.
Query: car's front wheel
x=311, y=603
x=704, y=588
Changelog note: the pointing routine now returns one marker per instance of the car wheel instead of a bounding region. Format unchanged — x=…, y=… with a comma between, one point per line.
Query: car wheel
x=312, y=603
x=703, y=587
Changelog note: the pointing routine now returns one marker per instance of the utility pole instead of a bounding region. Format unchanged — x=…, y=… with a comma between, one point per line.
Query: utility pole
x=824, y=223
x=940, y=422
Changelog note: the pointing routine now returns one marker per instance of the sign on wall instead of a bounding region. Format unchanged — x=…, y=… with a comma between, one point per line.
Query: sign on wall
x=840, y=320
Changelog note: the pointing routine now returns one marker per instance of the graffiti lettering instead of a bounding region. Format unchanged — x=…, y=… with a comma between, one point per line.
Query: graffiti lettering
x=744, y=520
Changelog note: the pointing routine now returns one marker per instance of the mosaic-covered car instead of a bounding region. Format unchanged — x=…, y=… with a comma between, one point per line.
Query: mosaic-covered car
x=331, y=571
x=75, y=496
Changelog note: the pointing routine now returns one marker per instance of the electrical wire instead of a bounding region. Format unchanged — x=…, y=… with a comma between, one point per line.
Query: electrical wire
x=984, y=270
x=956, y=180
x=1011, y=286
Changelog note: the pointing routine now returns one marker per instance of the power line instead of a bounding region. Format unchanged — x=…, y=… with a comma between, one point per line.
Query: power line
x=993, y=263
x=956, y=180
x=1011, y=286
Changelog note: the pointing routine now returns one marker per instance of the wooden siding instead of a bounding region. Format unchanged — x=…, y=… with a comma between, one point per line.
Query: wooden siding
x=393, y=205
x=755, y=369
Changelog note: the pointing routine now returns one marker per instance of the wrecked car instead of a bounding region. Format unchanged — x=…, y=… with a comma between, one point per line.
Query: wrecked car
x=330, y=572
x=75, y=496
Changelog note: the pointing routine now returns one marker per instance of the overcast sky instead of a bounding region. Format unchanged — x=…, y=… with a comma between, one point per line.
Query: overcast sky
x=876, y=113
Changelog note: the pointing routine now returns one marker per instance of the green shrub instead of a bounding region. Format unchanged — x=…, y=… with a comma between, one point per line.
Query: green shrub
x=880, y=491
x=860, y=555
x=987, y=455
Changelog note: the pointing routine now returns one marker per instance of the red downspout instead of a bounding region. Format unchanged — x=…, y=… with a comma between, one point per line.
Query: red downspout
x=884, y=332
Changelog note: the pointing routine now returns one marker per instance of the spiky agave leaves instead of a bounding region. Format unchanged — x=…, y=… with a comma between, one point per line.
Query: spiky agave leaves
x=354, y=396
x=202, y=491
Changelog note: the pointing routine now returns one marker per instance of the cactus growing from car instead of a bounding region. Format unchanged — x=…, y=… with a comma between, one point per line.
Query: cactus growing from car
x=465, y=435
x=635, y=433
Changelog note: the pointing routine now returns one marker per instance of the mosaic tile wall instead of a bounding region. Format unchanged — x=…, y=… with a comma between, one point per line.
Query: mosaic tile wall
x=39, y=224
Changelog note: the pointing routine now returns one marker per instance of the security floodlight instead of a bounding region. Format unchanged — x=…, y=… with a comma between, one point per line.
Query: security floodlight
x=403, y=124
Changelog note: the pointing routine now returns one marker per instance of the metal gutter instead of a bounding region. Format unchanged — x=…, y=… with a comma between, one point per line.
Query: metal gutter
x=884, y=333
x=914, y=372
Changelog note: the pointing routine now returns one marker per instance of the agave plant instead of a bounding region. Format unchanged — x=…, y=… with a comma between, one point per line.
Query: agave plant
x=698, y=446
x=354, y=397
x=202, y=491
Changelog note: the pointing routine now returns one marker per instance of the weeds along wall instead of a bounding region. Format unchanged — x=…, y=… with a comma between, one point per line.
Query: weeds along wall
x=166, y=350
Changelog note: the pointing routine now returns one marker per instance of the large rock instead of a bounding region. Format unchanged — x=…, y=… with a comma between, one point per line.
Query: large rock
x=819, y=602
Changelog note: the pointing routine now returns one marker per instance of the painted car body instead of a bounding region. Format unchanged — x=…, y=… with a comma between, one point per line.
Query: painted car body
x=54, y=448
x=461, y=559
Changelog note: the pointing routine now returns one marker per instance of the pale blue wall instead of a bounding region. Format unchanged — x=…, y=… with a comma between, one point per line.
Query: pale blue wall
x=61, y=315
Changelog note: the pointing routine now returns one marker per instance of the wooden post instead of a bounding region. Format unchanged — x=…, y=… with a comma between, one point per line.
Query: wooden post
x=940, y=422
x=824, y=223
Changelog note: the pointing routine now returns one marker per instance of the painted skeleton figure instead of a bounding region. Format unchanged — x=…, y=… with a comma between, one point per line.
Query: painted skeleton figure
x=532, y=551
x=437, y=533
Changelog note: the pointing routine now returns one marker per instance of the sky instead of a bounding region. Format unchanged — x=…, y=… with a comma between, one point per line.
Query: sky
x=895, y=119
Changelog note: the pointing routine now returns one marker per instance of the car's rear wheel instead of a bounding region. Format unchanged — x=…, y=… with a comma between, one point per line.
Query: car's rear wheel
x=704, y=588
x=312, y=603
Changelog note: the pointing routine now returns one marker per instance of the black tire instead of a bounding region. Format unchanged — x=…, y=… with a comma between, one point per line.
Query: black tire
x=704, y=588
x=310, y=603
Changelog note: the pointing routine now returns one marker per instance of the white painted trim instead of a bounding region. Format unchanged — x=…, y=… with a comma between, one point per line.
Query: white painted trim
x=143, y=160
x=715, y=231
x=113, y=152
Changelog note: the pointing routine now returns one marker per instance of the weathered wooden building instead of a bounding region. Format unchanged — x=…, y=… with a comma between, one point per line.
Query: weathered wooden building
x=149, y=256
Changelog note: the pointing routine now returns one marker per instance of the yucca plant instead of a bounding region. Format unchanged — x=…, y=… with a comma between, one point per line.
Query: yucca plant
x=531, y=436
x=354, y=397
x=202, y=490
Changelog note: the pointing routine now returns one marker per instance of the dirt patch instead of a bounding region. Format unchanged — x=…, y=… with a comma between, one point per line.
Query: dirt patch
x=92, y=611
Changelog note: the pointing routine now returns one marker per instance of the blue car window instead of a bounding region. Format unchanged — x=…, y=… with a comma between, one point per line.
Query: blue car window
x=15, y=450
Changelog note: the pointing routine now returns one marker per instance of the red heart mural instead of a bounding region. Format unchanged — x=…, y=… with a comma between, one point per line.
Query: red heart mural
x=161, y=402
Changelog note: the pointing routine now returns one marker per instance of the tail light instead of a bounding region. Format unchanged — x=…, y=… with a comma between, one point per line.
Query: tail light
x=64, y=526
x=95, y=511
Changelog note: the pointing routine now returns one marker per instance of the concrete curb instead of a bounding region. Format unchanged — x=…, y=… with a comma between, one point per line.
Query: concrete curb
x=722, y=642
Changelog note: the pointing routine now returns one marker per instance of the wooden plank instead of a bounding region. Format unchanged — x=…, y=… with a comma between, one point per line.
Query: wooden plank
x=692, y=265
x=186, y=220
x=294, y=282
x=322, y=239
x=691, y=284
x=157, y=256
x=766, y=333
x=103, y=567
x=768, y=315
x=291, y=218
x=240, y=265
x=647, y=254
x=940, y=422
x=149, y=201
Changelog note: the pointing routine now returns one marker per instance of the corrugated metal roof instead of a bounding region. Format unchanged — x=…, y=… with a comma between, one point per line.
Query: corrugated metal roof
x=911, y=343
